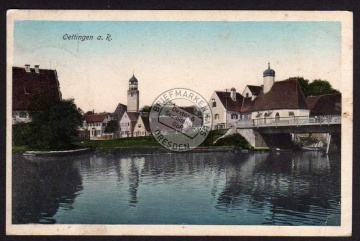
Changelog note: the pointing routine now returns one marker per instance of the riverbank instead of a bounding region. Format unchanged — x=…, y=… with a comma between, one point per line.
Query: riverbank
x=148, y=145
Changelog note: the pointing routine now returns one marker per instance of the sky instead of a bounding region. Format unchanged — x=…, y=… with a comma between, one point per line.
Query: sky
x=202, y=56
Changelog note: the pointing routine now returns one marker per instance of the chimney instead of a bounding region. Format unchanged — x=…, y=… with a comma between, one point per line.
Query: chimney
x=233, y=94
x=27, y=68
x=37, y=69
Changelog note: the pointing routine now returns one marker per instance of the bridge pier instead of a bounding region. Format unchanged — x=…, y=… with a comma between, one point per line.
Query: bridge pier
x=266, y=141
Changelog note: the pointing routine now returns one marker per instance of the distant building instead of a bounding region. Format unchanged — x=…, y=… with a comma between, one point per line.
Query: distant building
x=226, y=108
x=283, y=99
x=29, y=83
x=329, y=105
x=127, y=124
x=96, y=124
x=251, y=91
x=119, y=111
x=142, y=126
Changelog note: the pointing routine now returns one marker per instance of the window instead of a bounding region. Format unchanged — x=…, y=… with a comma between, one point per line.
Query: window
x=247, y=94
x=213, y=102
x=277, y=116
x=139, y=125
x=291, y=113
x=128, y=124
x=233, y=116
x=216, y=116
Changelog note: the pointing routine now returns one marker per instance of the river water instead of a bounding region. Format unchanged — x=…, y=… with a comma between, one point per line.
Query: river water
x=295, y=188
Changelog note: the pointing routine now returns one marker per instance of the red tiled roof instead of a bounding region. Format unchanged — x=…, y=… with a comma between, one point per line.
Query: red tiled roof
x=286, y=94
x=324, y=104
x=311, y=101
x=96, y=117
x=228, y=103
x=133, y=116
x=29, y=84
x=255, y=89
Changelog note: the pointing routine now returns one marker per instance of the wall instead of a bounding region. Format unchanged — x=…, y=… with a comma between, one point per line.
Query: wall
x=219, y=109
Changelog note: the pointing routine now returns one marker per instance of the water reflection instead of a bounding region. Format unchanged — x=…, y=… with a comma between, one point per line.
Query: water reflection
x=301, y=188
x=39, y=189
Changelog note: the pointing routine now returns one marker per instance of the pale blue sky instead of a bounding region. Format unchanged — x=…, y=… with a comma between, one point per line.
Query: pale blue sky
x=203, y=56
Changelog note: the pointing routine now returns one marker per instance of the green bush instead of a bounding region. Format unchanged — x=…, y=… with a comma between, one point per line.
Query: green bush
x=21, y=133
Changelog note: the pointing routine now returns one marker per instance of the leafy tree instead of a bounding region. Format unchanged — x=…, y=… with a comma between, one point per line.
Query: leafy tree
x=316, y=87
x=112, y=126
x=320, y=87
x=146, y=108
x=55, y=127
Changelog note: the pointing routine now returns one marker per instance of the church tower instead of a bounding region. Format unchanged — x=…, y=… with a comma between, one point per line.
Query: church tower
x=269, y=79
x=133, y=95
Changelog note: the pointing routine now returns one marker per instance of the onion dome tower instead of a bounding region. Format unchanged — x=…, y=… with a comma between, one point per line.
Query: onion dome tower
x=269, y=79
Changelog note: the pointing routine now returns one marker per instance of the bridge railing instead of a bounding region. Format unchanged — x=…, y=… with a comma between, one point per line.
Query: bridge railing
x=290, y=121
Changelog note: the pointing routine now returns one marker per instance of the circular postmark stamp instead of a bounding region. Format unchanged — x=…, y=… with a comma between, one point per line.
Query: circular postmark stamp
x=177, y=127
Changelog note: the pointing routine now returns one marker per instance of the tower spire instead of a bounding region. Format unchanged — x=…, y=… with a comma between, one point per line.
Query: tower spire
x=268, y=64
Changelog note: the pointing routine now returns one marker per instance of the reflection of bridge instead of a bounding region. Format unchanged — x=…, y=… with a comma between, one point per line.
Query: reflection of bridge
x=256, y=131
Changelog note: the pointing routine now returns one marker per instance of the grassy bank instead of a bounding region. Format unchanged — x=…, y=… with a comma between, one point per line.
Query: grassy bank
x=149, y=142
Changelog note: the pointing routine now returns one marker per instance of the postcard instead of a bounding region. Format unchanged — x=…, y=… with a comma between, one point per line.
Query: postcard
x=201, y=123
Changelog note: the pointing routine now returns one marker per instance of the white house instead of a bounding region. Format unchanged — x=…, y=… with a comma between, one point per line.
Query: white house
x=226, y=108
x=127, y=124
x=142, y=126
x=251, y=91
x=96, y=124
x=279, y=101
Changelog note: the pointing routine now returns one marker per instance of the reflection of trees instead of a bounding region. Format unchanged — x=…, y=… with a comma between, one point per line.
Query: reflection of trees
x=39, y=188
x=287, y=181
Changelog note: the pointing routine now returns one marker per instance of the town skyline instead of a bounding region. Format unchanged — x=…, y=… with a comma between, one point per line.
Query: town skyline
x=202, y=56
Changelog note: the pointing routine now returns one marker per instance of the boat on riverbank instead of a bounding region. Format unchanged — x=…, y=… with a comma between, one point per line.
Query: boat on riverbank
x=57, y=153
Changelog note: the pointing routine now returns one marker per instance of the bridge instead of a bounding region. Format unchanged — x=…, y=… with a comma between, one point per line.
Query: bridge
x=276, y=132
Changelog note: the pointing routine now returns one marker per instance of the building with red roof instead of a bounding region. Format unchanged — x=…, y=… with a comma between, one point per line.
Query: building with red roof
x=29, y=84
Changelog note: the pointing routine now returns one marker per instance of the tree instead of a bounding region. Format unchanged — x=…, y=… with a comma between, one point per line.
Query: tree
x=320, y=87
x=304, y=84
x=55, y=127
x=112, y=126
x=146, y=108
x=316, y=87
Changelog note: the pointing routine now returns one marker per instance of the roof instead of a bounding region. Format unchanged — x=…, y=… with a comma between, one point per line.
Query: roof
x=228, y=103
x=145, y=120
x=324, y=104
x=96, y=117
x=133, y=79
x=286, y=94
x=29, y=84
x=189, y=109
x=255, y=89
x=247, y=105
x=133, y=116
x=269, y=72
